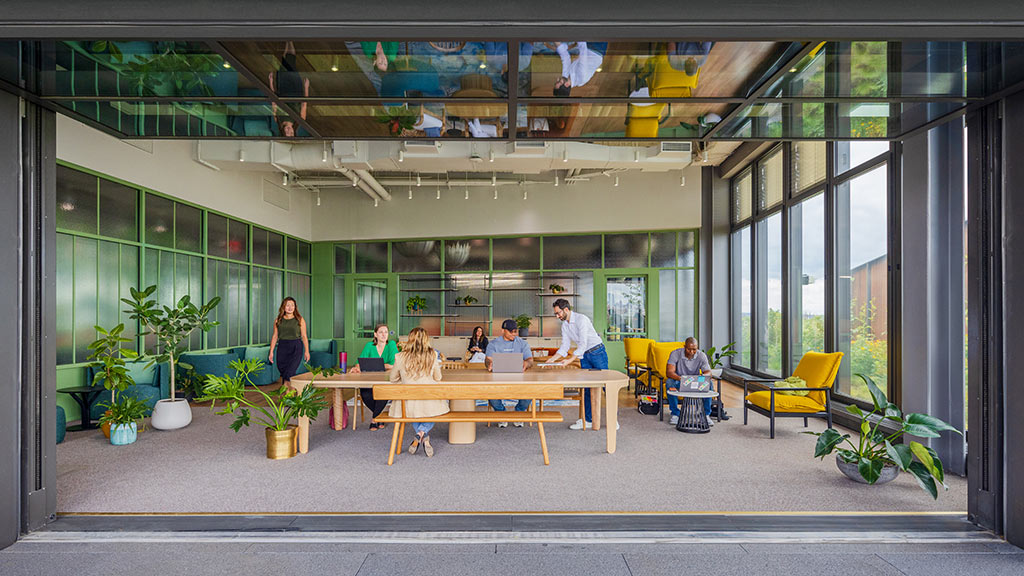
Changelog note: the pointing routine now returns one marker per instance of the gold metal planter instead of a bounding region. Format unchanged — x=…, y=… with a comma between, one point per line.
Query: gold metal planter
x=282, y=444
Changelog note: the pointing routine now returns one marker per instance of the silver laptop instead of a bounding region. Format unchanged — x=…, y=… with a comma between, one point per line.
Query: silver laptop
x=507, y=362
x=695, y=384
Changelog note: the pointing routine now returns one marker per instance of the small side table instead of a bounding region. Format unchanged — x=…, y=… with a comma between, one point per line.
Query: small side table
x=692, y=418
x=83, y=395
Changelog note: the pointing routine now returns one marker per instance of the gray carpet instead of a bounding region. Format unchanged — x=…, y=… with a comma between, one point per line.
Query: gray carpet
x=208, y=468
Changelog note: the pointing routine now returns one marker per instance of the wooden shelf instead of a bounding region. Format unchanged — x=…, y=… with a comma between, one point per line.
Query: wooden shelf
x=531, y=288
x=428, y=289
x=429, y=315
x=469, y=305
x=561, y=294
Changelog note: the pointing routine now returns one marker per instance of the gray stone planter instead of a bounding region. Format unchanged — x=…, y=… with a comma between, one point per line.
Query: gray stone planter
x=850, y=470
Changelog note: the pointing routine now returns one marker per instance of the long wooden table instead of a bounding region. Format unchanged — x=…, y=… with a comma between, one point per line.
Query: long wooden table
x=612, y=381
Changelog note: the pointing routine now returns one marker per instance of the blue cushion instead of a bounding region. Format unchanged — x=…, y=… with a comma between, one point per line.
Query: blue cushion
x=62, y=424
x=320, y=345
x=257, y=353
x=141, y=374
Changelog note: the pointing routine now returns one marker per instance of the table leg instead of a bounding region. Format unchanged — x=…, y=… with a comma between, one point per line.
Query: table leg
x=462, y=432
x=595, y=406
x=612, y=417
x=83, y=403
x=339, y=405
x=303, y=434
x=355, y=406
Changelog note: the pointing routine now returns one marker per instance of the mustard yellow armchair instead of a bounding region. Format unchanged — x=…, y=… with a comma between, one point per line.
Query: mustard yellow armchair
x=818, y=370
x=636, y=357
x=657, y=360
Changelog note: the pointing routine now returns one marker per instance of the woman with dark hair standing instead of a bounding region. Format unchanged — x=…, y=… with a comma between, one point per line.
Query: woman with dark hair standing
x=290, y=337
x=477, y=343
x=379, y=347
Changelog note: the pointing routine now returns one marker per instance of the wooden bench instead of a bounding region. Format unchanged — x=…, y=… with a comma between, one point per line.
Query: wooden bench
x=537, y=392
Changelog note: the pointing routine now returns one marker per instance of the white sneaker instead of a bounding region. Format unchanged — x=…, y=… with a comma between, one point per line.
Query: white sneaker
x=502, y=424
x=517, y=424
x=579, y=425
x=710, y=421
x=673, y=420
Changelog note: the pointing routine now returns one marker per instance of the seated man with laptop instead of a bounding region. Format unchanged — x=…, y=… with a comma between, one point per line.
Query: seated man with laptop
x=687, y=364
x=509, y=354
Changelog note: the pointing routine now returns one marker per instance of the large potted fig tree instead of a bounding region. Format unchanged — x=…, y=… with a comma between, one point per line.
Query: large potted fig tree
x=171, y=326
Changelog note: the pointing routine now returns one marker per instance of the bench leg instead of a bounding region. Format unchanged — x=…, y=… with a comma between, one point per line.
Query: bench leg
x=543, y=443
x=401, y=436
x=394, y=440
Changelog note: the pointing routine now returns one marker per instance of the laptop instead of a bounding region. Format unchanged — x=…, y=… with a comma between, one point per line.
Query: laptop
x=507, y=362
x=371, y=364
x=695, y=384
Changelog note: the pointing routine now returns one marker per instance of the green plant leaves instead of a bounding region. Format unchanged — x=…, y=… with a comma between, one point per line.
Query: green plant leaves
x=877, y=396
x=924, y=479
x=900, y=454
x=925, y=426
x=870, y=469
x=827, y=441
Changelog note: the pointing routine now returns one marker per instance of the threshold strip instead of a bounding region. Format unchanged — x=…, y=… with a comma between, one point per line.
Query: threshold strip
x=511, y=537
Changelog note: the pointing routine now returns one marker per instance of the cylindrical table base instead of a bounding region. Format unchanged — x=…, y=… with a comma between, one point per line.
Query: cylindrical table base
x=462, y=432
x=691, y=416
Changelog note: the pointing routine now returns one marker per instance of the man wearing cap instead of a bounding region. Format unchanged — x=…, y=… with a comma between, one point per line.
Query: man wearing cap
x=589, y=349
x=509, y=342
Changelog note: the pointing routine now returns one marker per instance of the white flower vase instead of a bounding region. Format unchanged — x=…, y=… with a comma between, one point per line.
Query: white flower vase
x=171, y=414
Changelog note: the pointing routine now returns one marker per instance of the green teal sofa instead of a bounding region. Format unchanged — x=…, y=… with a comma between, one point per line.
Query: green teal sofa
x=151, y=384
x=62, y=424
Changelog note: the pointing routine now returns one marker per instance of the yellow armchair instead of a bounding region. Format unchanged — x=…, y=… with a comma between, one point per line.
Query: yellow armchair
x=657, y=360
x=636, y=356
x=818, y=370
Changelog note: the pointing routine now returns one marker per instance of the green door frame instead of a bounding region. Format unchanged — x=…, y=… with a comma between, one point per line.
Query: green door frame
x=616, y=350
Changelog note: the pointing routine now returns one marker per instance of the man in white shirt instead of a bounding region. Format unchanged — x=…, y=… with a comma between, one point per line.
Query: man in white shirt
x=579, y=71
x=589, y=349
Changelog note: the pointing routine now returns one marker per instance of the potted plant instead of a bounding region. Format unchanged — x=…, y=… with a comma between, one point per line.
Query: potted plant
x=415, y=304
x=123, y=416
x=276, y=411
x=397, y=118
x=874, y=458
x=716, y=355
x=172, y=327
x=556, y=288
x=108, y=358
x=523, y=322
x=468, y=300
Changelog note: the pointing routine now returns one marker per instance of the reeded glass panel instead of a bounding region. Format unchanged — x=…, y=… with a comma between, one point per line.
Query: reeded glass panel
x=275, y=249
x=259, y=246
x=687, y=248
x=516, y=253
x=216, y=235
x=416, y=256
x=627, y=308
x=194, y=272
x=159, y=221
x=420, y=301
x=238, y=305
x=265, y=295
x=667, y=306
x=238, y=240
x=742, y=196
x=769, y=295
x=807, y=278
x=470, y=299
x=304, y=257
x=567, y=252
x=65, y=295
x=298, y=288
x=185, y=119
x=467, y=254
x=371, y=306
x=291, y=254
x=371, y=257
x=862, y=283
x=188, y=228
x=76, y=200
x=808, y=165
x=740, y=295
x=129, y=272
x=118, y=211
x=342, y=258
x=339, y=308
x=686, y=301
x=514, y=294
x=218, y=284
x=770, y=180
x=108, y=277
x=85, y=296
x=663, y=249
x=625, y=250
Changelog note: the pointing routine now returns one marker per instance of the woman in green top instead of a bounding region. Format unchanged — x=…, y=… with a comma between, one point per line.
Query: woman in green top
x=290, y=340
x=379, y=347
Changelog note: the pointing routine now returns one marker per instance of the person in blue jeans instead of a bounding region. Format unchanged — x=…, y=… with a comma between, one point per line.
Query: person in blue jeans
x=509, y=342
x=589, y=349
x=685, y=361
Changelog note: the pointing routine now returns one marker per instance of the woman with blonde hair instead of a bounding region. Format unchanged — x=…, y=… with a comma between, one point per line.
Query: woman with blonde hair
x=418, y=363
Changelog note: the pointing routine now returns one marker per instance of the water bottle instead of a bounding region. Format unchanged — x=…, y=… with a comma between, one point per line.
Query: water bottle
x=343, y=361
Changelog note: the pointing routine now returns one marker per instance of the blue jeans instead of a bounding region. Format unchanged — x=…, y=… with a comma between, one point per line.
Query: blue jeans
x=499, y=405
x=423, y=427
x=596, y=357
x=673, y=401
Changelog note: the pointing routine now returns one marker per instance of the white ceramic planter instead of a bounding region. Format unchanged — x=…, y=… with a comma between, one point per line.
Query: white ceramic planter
x=171, y=414
x=716, y=373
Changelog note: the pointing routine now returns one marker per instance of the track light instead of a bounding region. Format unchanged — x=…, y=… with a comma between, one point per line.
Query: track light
x=556, y=180
x=682, y=180
x=410, y=193
x=494, y=179
x=495, y=193
x=467, y=193
x=565, y=154
x=376, y=201
x=418, y=181
x=438, y=190
x=241, y=155
x=318, y=197
x=524, y=194
x=490, y=156
x=355, y=182
x=401, y=155
x=705, y=156
x=334, y=64
x=284, y=179
x=616, y=181
x=323, y=158
x=636, y=155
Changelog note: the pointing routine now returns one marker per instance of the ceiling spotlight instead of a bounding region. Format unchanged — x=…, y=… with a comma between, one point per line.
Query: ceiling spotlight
x=792, y=70
x=556, y=180
x=495, y=193
x=490, y=156
x=227, y=65
x=565, y=154
x=524, y=194
x=682, y=180
x=598, y=69
x=323, y=157
x=284, y=179
x=705, y=156
x=410, y=193
x=418, y=181
x=483, y=65
x=334, y=64
x=241, y=155
x=376, y=202
x=439, y=190
x=355, y=182
x=636, y=155
x=401, y=155
x=318, y=197
x=494, y=180
x=616, y=181
x=467, y=193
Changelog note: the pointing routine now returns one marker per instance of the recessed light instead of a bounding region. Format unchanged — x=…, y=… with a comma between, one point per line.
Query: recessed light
x=227, y=65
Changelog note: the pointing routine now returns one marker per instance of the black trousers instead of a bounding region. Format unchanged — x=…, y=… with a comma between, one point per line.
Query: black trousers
x=375, y=406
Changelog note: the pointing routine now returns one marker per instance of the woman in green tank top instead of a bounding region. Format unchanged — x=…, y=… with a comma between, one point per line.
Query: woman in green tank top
x=290, y=340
